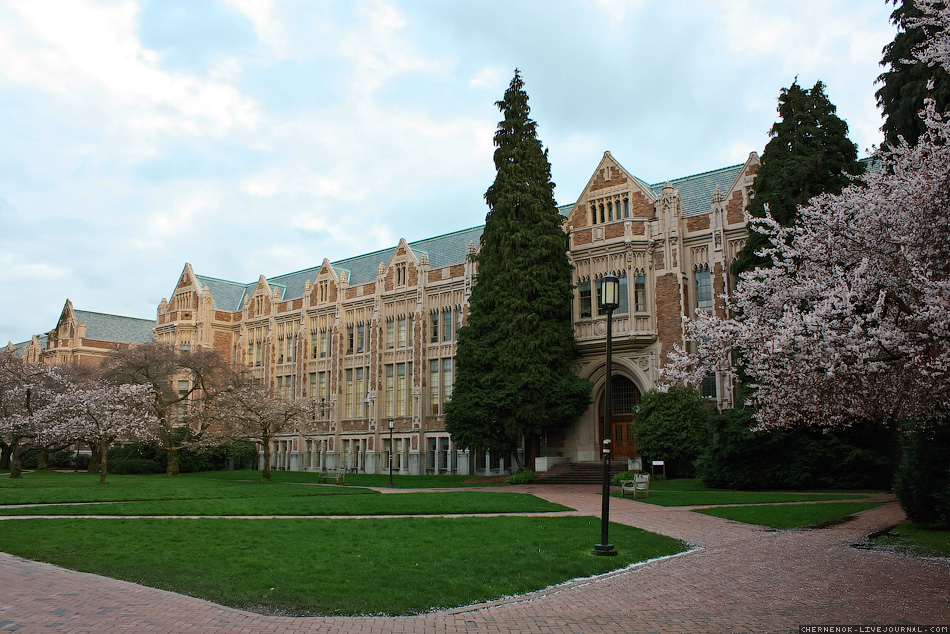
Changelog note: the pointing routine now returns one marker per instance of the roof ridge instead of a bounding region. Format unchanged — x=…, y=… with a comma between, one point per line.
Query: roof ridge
x=93, y=312
x=412, y=245
x=692, y=176
x=218, y=279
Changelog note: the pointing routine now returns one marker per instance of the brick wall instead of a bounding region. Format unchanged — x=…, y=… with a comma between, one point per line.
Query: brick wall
x=668, y=314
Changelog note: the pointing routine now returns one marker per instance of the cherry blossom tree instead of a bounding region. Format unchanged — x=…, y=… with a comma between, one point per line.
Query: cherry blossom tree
x=853, y=321
x=250, y=411
x=99, y=413
x=25, y=390
x=182, y=385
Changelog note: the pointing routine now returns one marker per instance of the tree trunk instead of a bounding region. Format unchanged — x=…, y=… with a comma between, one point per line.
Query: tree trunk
x=266, y=472
x=174, y=457
x=16, y=461
x=93, y=458
x=42, y=459
x=103, y=446
x=4, y=455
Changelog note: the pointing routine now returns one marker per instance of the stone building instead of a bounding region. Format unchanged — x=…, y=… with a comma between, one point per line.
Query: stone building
x=84, y=338
x=372, y=338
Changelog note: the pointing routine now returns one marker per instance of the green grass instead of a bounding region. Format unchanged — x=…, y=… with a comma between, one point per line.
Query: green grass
x=380, y=480
x=720, y=497
x=324, y=566
x=323, y=501
x=917, y=540
x=790, y=515
x=692, y=492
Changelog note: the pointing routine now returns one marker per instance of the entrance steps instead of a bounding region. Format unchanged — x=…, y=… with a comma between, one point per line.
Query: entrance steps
x=579, y=472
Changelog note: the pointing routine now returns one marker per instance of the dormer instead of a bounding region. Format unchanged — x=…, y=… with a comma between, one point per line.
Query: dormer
x=402, y=270
x=612, y=194
x=324, y=288
x=261, y=300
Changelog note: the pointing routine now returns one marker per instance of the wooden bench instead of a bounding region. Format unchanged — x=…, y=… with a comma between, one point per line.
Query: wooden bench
x=640, y=484
x=336, y=475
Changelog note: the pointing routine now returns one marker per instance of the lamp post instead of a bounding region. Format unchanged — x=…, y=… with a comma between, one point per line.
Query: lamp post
x=392, y=424
x=609, y=300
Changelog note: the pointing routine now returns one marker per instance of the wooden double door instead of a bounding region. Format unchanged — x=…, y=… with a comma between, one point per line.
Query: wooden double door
x=625, y=396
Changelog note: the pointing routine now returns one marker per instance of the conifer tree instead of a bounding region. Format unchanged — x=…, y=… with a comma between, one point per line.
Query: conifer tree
x=807, y=155
x=904, y=83
x=513, y=377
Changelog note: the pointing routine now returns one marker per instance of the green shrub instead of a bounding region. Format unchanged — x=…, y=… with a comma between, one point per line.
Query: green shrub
x=737, y=458
x=922, y=482
x=133, y=466
x=625, y=475
x=673, y=427
x=522, y=477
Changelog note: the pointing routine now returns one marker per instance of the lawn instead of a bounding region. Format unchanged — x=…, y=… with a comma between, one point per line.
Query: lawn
x=692, y=492
x=785, y=516
x=334, y=566
x=321, y=501
x=305, y=566
x=916, y=540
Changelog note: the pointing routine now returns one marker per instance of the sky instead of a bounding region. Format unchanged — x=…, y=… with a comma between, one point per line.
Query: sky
x=258, y=137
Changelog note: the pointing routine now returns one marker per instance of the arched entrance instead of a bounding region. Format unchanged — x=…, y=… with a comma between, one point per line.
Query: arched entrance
x=626, y=396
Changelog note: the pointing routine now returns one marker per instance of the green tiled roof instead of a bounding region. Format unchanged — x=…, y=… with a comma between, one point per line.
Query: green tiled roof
x=696, y=192
x=444, y=250
x=116, y=328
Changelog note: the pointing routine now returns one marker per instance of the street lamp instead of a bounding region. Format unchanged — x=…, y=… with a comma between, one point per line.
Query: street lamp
x=609, y=300
x=392, y=424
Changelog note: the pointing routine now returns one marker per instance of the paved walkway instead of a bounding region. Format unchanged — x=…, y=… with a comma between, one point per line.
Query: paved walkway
x=739, y=579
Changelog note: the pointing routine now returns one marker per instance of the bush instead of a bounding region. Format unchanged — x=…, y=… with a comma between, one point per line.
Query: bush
x=738, y=458
x=60, y=459
x=625, y=475
x=522, y=477
x=242, y=454
x=133, y=466
x=922, y=483
x=673, y=427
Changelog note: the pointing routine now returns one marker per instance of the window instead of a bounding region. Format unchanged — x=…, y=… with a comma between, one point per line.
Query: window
x=440, y=384
x=318, y=391
x=640, y=293
x=360, y=338
x=626, y=207
x=708, y=387
x=584, y=289
x=257, y=354
x=348, y=394
x=447, y=325
x=350, y=338
x=390, y=391
x=250, y=353
x=183, y=388
x=280, y=351
x=314, y=345
x=703, y=289
x=324, y=348
x=403, y=331
x=401, y=279
x=185, y=347
x=398, y=387
x=433, y=327
x=390, y=335
x=623, y=302
x=359, y=394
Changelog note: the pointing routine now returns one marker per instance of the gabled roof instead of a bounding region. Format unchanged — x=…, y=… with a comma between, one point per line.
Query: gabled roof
x=115, y=327
x=451, y=248
x=696, y=192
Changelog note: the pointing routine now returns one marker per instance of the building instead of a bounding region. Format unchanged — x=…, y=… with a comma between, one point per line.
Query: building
x=84, y=338
x=372, y=338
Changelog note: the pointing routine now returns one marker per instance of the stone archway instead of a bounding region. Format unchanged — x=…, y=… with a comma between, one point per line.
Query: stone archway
x=626, y=395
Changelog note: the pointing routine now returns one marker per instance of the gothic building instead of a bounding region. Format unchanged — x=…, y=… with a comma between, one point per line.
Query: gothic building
x=372, y=338
x=85, y=338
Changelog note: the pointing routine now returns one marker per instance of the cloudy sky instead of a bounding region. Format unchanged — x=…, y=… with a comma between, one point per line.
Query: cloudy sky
x=255, y=137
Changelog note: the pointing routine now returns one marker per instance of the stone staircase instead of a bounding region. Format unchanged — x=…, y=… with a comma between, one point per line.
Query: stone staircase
x=579, y=472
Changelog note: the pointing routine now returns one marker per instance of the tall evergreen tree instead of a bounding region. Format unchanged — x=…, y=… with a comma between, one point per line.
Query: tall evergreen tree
x=904, y=83
x=513, y=377
x=806, y=156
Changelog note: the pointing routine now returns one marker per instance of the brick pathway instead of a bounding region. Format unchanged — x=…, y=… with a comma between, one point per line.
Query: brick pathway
x=740, y=579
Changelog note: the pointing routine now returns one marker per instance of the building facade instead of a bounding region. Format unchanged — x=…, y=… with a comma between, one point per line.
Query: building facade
x=84, y=338
x=372, y=338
